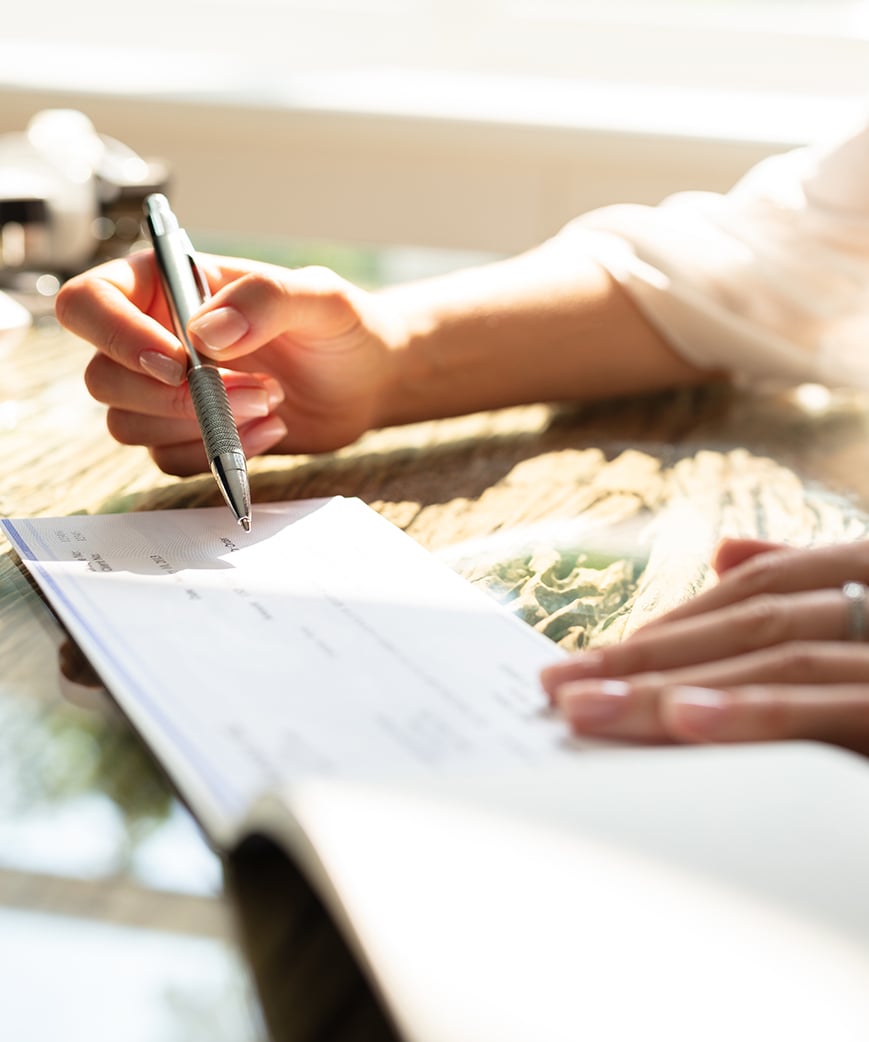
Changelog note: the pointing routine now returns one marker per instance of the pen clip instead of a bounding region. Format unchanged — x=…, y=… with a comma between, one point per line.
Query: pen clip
x=196, y=270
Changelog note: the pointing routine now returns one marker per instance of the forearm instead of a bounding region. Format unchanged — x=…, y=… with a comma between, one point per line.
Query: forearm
x=543, y=326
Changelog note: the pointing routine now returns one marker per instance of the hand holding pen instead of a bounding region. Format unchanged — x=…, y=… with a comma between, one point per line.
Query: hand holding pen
x=310, y=361
x=186, y=288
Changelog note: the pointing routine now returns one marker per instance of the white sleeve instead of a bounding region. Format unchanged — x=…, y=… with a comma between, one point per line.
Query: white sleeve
x=768, y=282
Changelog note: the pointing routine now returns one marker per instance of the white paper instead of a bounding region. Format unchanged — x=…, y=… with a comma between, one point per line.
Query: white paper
x=324, y=642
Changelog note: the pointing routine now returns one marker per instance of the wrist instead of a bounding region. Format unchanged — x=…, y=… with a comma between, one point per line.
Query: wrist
x=408, y=328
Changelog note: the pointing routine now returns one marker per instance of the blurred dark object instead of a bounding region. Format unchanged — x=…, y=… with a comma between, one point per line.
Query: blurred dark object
x=69, y=198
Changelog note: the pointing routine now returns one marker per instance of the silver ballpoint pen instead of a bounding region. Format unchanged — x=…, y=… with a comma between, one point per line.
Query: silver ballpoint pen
x=186, y=288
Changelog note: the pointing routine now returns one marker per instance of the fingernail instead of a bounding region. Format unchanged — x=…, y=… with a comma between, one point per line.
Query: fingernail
x=586, y=664
x=698, y=711
x=220, y=329
x=275, y=393
x=249, y=402
x=163, y=368
x=589, y=705
x=260, y=437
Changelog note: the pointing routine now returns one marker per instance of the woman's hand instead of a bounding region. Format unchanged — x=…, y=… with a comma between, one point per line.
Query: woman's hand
x=765, y=654
x=305, y=356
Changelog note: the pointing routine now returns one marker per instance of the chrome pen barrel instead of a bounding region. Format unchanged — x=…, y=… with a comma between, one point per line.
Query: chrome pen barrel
x=186, y=288
x=210, y=400
x=221, y=440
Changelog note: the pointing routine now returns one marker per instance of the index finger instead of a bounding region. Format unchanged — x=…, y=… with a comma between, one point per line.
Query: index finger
x=119, y=308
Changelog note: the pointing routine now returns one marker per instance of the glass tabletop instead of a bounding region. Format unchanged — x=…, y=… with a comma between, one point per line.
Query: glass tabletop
x=113, y=914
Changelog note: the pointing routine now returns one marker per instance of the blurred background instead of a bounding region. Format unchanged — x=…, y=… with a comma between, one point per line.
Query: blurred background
x=387, y=137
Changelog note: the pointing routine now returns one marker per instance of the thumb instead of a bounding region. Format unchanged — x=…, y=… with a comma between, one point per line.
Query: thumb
x=311, y=303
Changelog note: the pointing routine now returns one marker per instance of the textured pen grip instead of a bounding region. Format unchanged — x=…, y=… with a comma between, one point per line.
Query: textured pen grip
x=216, y=422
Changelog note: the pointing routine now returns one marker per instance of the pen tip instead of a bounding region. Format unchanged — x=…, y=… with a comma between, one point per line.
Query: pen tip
x=245, y=523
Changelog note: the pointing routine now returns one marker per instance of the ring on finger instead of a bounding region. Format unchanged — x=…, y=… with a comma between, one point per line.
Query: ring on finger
x=856, y=622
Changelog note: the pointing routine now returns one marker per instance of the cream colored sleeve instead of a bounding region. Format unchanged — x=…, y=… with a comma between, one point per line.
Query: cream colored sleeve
x=769, y=282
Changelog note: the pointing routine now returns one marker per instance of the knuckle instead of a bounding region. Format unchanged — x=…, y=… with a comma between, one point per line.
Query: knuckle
x=269, y=286
x=773, y=716
x=179, y=403
x=631, y=659
x=327, y=286
x=322, y=278
x=309, y=294
x=758, y=575
x=762, y=620
x=278, y=285
x=112, y=344
x=800, y=663
x=258, y=293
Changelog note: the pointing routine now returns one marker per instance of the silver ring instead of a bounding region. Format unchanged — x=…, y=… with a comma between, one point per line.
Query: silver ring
x=856, y=623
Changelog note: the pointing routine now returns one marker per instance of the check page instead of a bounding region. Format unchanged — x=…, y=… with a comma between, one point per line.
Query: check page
x=325, y=641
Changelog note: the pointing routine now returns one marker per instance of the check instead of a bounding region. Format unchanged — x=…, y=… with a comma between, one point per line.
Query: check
x=323, y=642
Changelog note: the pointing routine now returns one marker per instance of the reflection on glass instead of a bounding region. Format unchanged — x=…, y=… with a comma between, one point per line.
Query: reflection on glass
x=64, y=762
x=108, y=982
x=570, y=581
x=110, y=913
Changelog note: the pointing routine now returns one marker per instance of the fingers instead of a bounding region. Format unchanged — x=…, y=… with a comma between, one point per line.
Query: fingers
x=251, y=395
x=732, y=552
x=323, y=339
x=303, y=354
x=145, y=412
x=770, y=667
x=271, y=302
x=120, y=309
x=831, y=713
x=759, y=622
x=186, y=457
x=779, y=570
x=649, y=706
